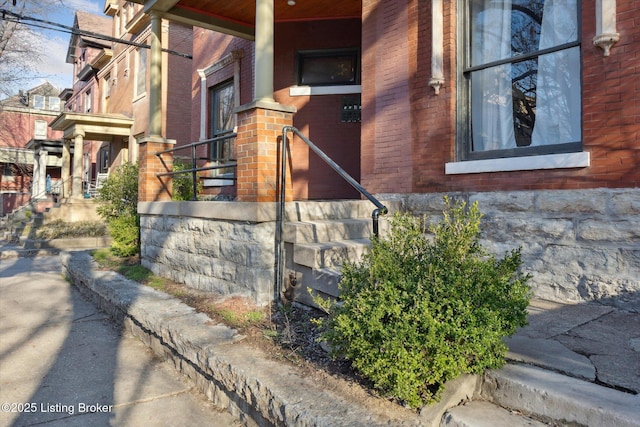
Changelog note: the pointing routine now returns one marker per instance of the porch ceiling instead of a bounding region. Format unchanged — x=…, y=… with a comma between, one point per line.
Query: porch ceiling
x=94, y=127
x=238, y=17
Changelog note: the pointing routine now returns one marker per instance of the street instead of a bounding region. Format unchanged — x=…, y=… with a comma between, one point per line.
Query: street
x=65, y=363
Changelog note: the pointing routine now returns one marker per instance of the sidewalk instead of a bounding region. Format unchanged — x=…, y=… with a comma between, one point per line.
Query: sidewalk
x=597, y=343
x=63, y=362
x=589, y=355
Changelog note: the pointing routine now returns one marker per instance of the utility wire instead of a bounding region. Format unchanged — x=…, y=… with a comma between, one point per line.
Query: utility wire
x=9, y=16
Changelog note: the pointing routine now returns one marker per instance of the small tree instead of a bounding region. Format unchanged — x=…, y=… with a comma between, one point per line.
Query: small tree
x=419, y=310
x=119, y=195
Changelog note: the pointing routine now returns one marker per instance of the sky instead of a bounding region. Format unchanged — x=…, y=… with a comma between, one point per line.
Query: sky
x=53, y=67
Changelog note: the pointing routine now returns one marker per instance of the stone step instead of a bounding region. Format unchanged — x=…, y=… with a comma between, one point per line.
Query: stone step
x=548, y=395
x=329, y=254
x=333, y=209
x=485, y=414
x=327, y=230
x=323, y=281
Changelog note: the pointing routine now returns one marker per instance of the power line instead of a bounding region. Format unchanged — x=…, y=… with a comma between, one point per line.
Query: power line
x=10, y=16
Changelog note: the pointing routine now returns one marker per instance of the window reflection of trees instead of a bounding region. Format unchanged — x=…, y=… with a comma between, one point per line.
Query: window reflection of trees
x=526, y=23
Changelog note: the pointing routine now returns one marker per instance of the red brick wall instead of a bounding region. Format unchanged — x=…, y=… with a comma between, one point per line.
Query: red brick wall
x=177, y=98
x=318, y=116
x=611, y=107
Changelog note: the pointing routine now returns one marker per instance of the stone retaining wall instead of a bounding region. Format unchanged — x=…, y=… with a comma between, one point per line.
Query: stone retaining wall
x=224, y=247
x=579, y=245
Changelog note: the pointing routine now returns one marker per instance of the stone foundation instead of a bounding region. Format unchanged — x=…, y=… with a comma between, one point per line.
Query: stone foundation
x=579, y=245
x=223, y=247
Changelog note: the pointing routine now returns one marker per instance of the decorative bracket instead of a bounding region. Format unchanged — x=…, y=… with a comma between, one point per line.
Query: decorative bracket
x=437, y=46
x=606, y=35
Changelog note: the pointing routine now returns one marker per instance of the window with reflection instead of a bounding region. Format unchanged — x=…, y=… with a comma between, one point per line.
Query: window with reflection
x=328, y=67
x=521, y=78
x=221, y=122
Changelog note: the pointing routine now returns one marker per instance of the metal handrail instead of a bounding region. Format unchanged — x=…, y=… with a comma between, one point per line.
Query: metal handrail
x=379, y=210
x=194, y=169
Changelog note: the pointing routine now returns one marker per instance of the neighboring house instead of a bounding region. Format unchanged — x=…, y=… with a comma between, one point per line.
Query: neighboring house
x=529, y=107
x=29, y=150
x=108, y=110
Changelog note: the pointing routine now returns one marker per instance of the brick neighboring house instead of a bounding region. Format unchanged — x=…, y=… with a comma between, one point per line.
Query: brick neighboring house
x=529, y=107
x=108, y=111
x=29, y=150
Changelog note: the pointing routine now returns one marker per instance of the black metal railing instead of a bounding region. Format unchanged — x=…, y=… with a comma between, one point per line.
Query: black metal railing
x=379, y=210
x=221, y=152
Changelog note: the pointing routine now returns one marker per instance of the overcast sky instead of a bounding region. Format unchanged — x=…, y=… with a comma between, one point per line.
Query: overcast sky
x=53, y=67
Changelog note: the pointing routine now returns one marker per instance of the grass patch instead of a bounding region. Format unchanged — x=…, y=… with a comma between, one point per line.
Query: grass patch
x=59, y=229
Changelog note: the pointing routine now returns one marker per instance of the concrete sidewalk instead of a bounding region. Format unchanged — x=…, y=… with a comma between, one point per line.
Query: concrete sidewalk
x=596, y=343
x=63, y=362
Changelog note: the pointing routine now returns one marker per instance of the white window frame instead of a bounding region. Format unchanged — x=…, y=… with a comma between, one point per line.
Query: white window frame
x=140, y=83
x=530, y=158
x=40, y=129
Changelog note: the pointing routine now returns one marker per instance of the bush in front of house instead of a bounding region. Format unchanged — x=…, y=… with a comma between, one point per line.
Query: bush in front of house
x=420, y=310
x=119, y=208
x=182, y=184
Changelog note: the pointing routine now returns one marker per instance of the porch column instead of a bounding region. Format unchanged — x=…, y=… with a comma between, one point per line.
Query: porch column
x=155, y=79
x=76, y=188
x=151, y=187
x=42, y=174
x=263, y=89
x=258, y=151
x=38, y=181
x=66, y=168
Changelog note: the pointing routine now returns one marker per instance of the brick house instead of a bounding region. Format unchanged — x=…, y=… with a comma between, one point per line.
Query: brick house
x=528, y=107
x=108, y=110
x=29, y=150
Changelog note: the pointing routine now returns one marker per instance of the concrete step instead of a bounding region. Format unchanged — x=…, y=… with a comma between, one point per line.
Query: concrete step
x=485, y=414
x=327, y=230
x=329, y=254
x=323, y=281
x=333, y=209
x=551, y=396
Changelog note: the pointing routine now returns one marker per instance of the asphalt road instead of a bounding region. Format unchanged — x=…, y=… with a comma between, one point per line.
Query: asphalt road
x=65, y=363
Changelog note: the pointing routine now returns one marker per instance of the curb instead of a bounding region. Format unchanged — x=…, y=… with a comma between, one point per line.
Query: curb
x=233, y=375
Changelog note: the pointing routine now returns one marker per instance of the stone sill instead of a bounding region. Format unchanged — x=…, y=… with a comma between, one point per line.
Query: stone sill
x=548, y=161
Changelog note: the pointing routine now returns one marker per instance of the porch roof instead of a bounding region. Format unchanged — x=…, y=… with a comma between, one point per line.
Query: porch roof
x=238, y=17
x=96, y=127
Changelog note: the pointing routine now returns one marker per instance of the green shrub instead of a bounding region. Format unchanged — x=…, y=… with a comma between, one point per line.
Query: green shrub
x=119, y=209
x=182, y=184
x=124, y=231
x=419, y=311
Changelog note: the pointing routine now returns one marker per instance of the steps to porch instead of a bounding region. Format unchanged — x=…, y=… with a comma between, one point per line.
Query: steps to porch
x=319, y=237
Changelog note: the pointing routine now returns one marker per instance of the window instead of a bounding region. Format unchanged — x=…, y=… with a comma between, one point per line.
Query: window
x=54, y=103
x=521, y=78
x=221, y=121
x=141, y=72
x=7, y=172
x=38, y=102
x=87, y=101
x=106, y=92
x=328, y=67
x=103, y=160
x=40, y=131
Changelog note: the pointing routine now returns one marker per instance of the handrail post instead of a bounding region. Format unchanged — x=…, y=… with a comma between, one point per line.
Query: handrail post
x=194, y=174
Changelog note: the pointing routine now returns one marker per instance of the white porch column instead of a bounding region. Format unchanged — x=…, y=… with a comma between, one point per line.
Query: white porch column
x=66, y=168
x=42, y=174
x=76, y=188
x=155, y=79
x=264, y=42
